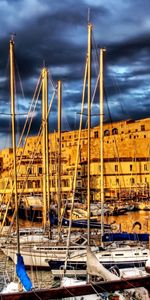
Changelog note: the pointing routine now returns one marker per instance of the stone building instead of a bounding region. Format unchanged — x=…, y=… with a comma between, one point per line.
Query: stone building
x=126, y=162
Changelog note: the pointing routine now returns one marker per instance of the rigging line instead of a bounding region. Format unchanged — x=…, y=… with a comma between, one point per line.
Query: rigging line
x=114, y=135
x=96, y=62
x=30, y=108
x=51, y=80
x=34, y=153
x=18, y=73
x=96, y=56
x=5, y=215
x=94, y=289
x=30, y=123
x=19, y=146
x=65, y=121
x=76, y=164
x=115, y=83
x=94, y=92
x=7, y=88
x=39, y=137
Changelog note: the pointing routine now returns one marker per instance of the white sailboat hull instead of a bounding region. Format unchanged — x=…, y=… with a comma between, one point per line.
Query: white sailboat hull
x=39, y=256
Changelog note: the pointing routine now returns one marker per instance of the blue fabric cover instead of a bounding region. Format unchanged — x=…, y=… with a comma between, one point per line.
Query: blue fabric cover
x=21, y=273
x=125, y=236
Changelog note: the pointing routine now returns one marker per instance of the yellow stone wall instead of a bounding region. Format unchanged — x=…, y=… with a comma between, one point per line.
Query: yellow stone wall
x=126, y=143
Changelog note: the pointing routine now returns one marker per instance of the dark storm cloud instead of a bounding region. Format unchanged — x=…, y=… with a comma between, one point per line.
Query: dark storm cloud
x=54, y=33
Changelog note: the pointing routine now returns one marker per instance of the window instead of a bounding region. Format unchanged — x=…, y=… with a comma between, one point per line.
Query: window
x=21, y=184
x=142, y=127
x=145, y=167
x=129, y=131
x=37, y=184
x=79, y=184
x=115, y=131
x=106, y=132
x=144, y=136
x=132, y=181
x=29, y=184
x=131, y=167
x=116, y=168
x=117, y=181
x=65, y=183
x=29, y=170
x=95, y=134
x=40, y=170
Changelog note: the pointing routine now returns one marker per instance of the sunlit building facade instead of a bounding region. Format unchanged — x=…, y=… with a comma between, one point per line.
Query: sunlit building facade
x=126, y=163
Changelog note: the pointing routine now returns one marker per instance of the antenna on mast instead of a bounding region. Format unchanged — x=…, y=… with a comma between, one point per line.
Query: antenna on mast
x=89, y=12
x=12, y=34
x=43, y=63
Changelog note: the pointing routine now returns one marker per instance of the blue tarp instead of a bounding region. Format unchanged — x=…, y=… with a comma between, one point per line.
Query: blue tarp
x=21, y=273
x=125, y=236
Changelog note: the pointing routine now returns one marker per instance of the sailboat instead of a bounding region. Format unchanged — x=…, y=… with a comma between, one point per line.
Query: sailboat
x=38, y=255
x=108, y=282
x=90, y=288
x=20, y=267
x=122, y=256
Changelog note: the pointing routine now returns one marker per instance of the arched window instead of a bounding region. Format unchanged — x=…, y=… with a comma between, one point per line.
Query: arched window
x=106, y=132
x=114, y=131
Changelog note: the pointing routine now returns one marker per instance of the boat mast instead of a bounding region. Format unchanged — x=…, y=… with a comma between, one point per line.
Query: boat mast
x=101, y=138
x=12, y=95
x=59, y=95
x=47, y=150
x=89, y=126
x=44, y=154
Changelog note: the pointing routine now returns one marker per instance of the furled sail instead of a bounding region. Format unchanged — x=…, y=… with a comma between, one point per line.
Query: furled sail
x=95, y=268
x=21, y=273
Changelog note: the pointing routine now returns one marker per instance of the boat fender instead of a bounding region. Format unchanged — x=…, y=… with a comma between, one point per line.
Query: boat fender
x=135, y=224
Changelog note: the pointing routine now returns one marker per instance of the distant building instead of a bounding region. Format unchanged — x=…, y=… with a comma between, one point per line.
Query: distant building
x=126, y=163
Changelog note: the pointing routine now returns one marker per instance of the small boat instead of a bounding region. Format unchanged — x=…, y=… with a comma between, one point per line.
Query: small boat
x=30, y=208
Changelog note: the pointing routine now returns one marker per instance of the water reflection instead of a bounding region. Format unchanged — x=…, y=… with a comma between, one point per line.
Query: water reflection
x=127, y=220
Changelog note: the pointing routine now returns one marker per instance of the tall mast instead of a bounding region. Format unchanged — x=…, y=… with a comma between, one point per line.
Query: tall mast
x=101, y=138
x=89, y=126
x=44, y=152
x=12, y=95
x=59, y=87
x=47, y=145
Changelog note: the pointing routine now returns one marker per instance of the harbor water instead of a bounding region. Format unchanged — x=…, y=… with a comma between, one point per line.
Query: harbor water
x=126, y=221
x=43, y=279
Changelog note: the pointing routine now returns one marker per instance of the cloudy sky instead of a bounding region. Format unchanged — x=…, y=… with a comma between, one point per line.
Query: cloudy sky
x=54, y=33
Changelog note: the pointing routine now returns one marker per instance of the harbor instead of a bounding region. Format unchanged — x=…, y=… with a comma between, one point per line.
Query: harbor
x=75, y=173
